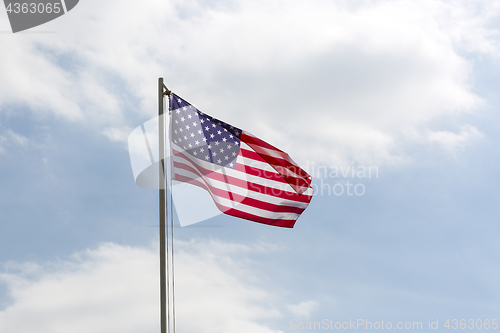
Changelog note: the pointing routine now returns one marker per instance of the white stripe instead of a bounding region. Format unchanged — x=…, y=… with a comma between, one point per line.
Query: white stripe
x=256, y=164
x=272, y=153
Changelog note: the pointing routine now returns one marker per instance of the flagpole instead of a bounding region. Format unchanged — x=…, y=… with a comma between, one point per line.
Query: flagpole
x=163, y=273
x=167, y=299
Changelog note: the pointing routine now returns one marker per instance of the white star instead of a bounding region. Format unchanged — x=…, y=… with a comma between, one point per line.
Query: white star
x=175, y=131
x=225, y=130
x=179, y=100
x=180, y=139
x=192, y=135
x=204, y=139
x=212, y=136
x=182, y=119
x=190, y=116
x=176, y=121
x=214, y=154
x=190, y=145
x=222, y=150
x=178, y=110
x=180, y=129
x=207, y=157
x=202, y=120
x=197, y=142
x=219, y=161
x=195, y=124
x=236, y=142
x=230, y=136
x=229, y=146
x=224, y=139
x=199, y=131
x=202, y=150
x=213, y=125
x=187, y=127
x=195, y=153
x=219, y=132
x=231, y=164
x=209, y=146
x=185, y=137
x=226, y=157
x=206, y=128
x=234, y=154
x=216, y=143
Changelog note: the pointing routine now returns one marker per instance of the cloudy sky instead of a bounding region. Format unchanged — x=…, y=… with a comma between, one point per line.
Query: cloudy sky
x=406, y=89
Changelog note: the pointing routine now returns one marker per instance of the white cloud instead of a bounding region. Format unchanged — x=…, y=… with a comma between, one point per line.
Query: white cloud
x=114, y=288
x=117, y=134
x=12, y=139
x=328, y=81
x=452, y=141
x=303, y=309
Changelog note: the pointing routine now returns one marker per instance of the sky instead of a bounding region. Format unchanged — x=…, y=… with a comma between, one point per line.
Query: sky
x=391, y=106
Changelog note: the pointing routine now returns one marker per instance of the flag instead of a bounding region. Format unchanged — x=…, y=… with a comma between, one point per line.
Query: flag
x=246, y=176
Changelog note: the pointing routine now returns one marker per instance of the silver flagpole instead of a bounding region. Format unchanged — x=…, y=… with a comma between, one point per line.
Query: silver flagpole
x=163, y=275
x=167, y=299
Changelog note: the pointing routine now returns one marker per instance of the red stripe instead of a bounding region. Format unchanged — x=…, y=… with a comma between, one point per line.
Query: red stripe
x=251, y=154
x=260, y=173
x=248, y=137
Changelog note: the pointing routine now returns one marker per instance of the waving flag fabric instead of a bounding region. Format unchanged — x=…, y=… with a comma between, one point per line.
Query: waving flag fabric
x=246, y=176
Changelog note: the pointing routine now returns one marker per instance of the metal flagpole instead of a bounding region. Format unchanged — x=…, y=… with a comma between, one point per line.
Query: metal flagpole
x=163, y=273
x=167, y=299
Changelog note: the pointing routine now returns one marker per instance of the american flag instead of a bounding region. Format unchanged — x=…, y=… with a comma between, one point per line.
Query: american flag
x=246, y=176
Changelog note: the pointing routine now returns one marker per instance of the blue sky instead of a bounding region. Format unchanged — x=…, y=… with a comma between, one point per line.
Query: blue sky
x=407, y=87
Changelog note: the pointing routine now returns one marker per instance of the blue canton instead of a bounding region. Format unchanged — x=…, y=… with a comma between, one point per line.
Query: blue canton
x=203, y=136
